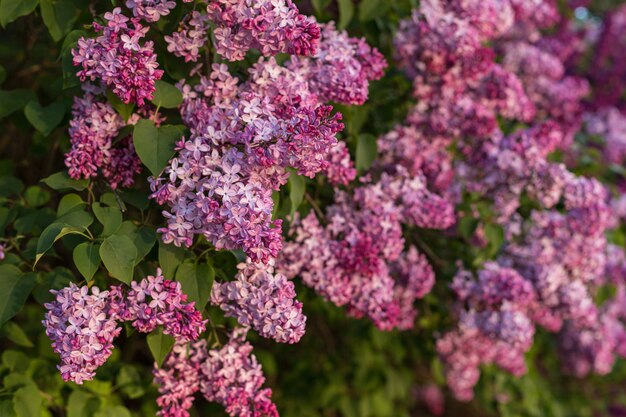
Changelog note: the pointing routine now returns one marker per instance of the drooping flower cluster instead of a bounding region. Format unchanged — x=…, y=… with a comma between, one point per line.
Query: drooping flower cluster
x=230, y=375
x=117, y=59
x=94, y=128
x=494, y=327
x=244, y=137
x=263, y=300
x=156, y=301
x=357, y=260
x=271, y=26
x=83, y=325
x=82, y=328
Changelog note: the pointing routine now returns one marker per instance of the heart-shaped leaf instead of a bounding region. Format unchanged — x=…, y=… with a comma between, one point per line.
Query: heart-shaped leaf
x=166, y=95
x=44, y=119
x=118, y=254
x=155, y=146
x=14, y=290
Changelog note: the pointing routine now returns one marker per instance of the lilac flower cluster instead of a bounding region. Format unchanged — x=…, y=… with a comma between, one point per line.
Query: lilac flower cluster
x=263, y=300
x=358, y=261
x=82, y=326
x=271, y=26
x=610, y=124
x=244, y=136
x=151, y=10
x=494, y=326
x=117, y=59
x=230, y=375
x=190, y=38
x=93, y=129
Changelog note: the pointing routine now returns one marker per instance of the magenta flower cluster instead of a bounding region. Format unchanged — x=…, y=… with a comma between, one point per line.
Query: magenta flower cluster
x=230, y=375
x=118, y=60
x=82, y=324
x=263, y=300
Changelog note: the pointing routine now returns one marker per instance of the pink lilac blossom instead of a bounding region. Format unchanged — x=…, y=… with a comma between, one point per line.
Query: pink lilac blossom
x=233, y=377
x=151, y=10
x=190, y=38
x=610, y=124
x=494, y=327
x=432, y=396
x=178, y=379
x=118, y=60
x=82, y=327
x=357, y=260
x=156, y=301
x=263, y=300
x=271, y=26
x=244, y=136
x=342, y=67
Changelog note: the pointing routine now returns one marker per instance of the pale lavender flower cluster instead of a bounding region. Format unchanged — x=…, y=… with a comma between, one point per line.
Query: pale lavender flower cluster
x=94, y=128
x=230, y=375
x=358, y=261
x=244, y=136
x=342, y=67
x=82, y=326
x=263, y=300
x=494, y=327
x=271, y=26
x=151, y=10
x=117, y=59
x=190, y=38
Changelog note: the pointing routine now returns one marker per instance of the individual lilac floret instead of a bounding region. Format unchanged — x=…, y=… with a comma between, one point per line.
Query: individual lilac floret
x=271, y=26
x=233, y=377
x=342, y=67
x=156, y=301
x=494, y=327
x=190, y=38
x=118, y=60
x=263, y=300
x=82, y=328
x=178, y=378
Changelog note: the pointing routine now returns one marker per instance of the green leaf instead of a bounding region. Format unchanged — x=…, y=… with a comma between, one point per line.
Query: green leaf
x=166, y=95
x=69, y=71
x=53, y=233
x=44, y=119
x=320, y=6
x=59, y=16
x=160, y=345
x=495, y=237
x=12, y=9
x=82, y=404
x=87, y=259
x=27, y=401
x=59, y=278
x=6, y=408
x=118, y=254
x=70, y=202
x=62, y=181
x=155, y=146
x=124, y=109
x=370, y=9
x=113, y=411
x=346, y=11
x=110, y=217
x=144, y=239
x=13, y=100
x=170, y=257
x=366, y=151
x=297, y=186
x=129, y=381
x=35, y=196
x=71, y=40
x=196, y=281
x=14, y=333
x=76, y=218
x=14, y=290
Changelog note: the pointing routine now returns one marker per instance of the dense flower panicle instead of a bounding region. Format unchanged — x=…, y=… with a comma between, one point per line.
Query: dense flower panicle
x=118, y=60
x=178, y=379
x=263, y=300
x=233, y=377
x=271, y=26
x=82, y=328
x=342, y=67
x=156, y=301
x=340, y=169
x=539, y=13
x=610, y=124
x=244, y=136
x=191, y=36
x=494, y=327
